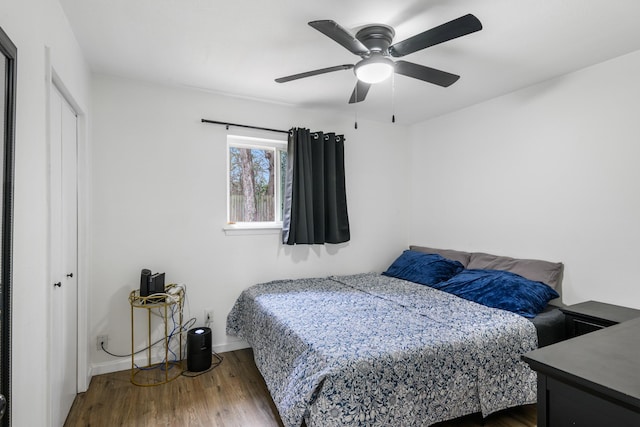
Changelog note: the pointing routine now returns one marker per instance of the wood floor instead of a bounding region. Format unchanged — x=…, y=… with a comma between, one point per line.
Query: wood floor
x=231, y=395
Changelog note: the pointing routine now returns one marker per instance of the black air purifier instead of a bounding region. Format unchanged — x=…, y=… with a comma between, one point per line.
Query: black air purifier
x=198, y=349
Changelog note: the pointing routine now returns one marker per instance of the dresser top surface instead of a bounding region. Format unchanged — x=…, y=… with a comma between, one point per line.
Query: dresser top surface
x=601, y=310
x=606, y=361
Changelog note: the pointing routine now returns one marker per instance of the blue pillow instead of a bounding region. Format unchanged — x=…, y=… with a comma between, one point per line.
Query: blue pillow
x=423, y=268
x=501, y=289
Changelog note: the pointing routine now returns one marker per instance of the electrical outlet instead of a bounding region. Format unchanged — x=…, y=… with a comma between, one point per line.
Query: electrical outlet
x=208, y=316
x=102, y=340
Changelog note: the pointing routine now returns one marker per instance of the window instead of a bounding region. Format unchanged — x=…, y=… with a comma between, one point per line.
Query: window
x=257, y=168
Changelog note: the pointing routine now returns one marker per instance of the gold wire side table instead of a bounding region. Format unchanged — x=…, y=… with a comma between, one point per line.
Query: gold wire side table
x=157, y=373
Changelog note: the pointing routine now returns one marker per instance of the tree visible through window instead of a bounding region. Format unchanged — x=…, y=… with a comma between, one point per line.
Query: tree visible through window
x=256, y=169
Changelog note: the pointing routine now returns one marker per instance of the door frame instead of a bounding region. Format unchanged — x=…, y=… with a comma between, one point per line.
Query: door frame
x=55, y=82
x=9, y=50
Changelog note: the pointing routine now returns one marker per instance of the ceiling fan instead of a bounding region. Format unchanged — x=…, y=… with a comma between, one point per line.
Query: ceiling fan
x=373, y=44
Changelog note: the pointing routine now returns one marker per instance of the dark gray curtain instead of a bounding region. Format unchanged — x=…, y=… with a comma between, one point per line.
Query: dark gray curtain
x=315, y=204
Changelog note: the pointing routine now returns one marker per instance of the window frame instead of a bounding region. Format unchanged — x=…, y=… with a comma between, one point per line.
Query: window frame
x=237, y=140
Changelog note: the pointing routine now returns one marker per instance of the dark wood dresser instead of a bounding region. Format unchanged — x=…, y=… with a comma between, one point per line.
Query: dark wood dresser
x=592, y=380
x=591, y=316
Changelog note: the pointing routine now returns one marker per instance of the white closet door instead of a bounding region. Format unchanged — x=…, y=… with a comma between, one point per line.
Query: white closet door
x=64, y=258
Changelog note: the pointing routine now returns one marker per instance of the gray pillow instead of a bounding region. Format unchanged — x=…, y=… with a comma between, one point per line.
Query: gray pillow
x=461, y=257
x=532, y=269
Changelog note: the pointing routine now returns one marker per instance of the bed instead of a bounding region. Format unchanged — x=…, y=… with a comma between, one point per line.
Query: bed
x=377, y=350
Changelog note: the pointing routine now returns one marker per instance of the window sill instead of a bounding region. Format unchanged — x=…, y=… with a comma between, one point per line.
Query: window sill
x=252, y=229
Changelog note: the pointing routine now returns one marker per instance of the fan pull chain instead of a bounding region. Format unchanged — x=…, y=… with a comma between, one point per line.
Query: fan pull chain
x=355, y=106
x=393, y=98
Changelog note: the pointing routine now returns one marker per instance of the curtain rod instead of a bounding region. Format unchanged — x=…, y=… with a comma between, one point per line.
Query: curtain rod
x=243, y=126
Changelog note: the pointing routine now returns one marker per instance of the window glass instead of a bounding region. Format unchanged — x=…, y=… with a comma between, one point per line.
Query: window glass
x=255, y=181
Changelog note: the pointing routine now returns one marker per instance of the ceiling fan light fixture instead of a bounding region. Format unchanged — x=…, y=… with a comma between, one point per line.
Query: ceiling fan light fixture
x=373, y=44
x=375, y=69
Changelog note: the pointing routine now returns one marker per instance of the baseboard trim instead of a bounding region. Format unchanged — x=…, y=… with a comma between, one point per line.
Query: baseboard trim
x=125, y=363
x=109, y=367
x=230, y=346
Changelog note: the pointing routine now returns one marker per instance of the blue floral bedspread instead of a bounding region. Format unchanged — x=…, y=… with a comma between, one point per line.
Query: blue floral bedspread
x=372, y=350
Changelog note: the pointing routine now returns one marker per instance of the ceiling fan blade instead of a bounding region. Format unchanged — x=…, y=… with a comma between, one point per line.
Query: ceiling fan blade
x=453, y=29
x=359, y=92
x=430, y=75
x=314, y=73
x=334, y=31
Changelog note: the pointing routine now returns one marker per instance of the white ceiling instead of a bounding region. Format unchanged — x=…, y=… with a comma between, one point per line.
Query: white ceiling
x=239, y=47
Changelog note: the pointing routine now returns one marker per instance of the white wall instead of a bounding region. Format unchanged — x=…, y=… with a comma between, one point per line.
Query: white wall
x=33, y=25
x=548, y=172
x=159, y=191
